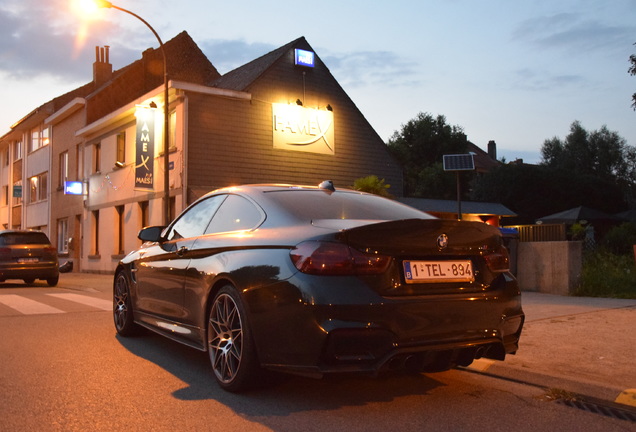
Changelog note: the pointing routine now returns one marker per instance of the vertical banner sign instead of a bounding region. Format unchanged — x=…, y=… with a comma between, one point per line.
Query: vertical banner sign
x=145, y=154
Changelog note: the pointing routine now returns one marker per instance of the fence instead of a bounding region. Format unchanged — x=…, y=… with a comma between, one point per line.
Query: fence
x=541, y=233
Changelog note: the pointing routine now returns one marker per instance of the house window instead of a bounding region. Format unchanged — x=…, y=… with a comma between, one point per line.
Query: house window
x=97, y=158
x=63, y=168
x=7, y=156
x=17, y=150
x=173, y=131
x=37, y=187
x=5, y=195
x=172, y=209
x=39, y=138
x=121, y=147
x=62, y=236
x=79, y=166
x=95, y=233
x=143, y=214
x=119, y=246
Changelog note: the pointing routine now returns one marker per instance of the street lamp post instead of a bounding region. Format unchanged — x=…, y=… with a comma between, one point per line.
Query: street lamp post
x=166, y=110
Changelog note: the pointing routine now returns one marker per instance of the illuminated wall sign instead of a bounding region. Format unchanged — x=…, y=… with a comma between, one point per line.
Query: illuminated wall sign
x=145, y=154
x=303, y=129
x=73, y=188
x=304, y=58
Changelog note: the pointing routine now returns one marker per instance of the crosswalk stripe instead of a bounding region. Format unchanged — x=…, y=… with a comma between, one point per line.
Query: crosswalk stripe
x=98, y=303
x=27, y=306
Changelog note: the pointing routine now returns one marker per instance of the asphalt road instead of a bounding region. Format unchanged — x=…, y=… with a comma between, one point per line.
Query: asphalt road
x=68, y=371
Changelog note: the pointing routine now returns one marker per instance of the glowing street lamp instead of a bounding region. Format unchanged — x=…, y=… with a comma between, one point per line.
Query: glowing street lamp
x=166, y=109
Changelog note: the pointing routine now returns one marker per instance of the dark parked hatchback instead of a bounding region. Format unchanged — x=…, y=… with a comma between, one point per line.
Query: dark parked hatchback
x=28, y=255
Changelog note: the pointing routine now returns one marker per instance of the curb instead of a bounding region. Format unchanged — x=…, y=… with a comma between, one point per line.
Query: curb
x=624, y=399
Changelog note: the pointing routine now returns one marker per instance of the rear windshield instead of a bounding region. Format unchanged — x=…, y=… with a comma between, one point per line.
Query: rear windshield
x=9, y=239
x=317, y=204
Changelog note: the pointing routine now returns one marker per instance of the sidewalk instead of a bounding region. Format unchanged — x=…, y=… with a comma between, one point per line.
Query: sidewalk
x=581, y=345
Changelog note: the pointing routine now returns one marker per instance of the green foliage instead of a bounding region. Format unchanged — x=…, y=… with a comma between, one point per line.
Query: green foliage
x=577, y=231
x=372, y=184
x=601, y=153
x=419, y=146
x=533, y=191
x=595, y=169
x=620, y=240
x=434, y=182
x=607, y=275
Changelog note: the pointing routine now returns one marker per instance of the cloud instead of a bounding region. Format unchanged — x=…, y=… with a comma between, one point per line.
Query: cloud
x=227, y=55
x=353, y=70
x=366, y=68
x=572, y=32
x=47, y=39
x=534, y=80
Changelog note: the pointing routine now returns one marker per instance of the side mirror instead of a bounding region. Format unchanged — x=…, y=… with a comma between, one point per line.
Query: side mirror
x=151, y=233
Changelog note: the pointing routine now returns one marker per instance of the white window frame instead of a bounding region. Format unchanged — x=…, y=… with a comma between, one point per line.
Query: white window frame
x=63, y=168
x=38, y=185
x=62, y=236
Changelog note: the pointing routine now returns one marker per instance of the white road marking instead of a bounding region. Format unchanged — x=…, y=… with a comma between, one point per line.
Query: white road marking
x=98, y=303
x=26, y=305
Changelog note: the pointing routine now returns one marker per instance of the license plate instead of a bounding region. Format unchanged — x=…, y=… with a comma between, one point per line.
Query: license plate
x=438, y=271
x=28, y=260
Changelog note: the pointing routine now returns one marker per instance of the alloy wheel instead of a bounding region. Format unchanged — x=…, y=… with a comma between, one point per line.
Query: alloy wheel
x=225, y=338
x=122, y=313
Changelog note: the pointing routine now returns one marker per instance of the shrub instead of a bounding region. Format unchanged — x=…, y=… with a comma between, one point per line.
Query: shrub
x=606, y=274
x=621, y=239
x=372, y=184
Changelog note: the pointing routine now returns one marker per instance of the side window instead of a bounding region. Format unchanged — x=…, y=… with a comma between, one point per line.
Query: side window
x=193, y=222
x=236, y=214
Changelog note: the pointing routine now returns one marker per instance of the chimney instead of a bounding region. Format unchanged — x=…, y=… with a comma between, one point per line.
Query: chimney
x=102, y=69
x=492, y=149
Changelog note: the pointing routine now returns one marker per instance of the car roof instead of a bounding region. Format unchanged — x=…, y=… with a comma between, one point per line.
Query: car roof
x=19, y=231
x=267, y=187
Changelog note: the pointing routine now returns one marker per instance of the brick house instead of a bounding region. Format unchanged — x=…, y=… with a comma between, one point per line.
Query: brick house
x=280, y=118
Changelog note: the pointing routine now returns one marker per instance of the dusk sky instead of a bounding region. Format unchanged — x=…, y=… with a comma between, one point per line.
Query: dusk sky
x=510, y=71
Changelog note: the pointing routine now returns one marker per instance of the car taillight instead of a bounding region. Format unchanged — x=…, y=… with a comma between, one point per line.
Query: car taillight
x=498, y=260
x=330, y=258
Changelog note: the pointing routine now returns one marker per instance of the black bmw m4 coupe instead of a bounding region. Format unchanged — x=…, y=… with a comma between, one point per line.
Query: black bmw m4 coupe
x=317, y=281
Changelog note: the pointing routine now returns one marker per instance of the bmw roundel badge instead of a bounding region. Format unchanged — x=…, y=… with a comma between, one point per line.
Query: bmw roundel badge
x=442, y=241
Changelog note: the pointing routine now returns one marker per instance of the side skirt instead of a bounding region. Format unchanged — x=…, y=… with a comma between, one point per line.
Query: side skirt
x=187, y=335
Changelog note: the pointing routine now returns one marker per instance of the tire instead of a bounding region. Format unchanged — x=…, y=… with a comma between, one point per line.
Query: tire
x=230, y=345
x=52, y=281
x=123, y=315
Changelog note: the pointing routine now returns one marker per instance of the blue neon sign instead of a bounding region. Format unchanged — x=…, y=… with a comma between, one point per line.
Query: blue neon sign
x=73, y=188
x=304, y=58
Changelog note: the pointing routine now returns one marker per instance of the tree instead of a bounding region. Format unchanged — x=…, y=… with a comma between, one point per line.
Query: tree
x=533, y=191
x=595, y=169
x=632, y=71
x=601, y=153
x=420, y=146
x=372, y=184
